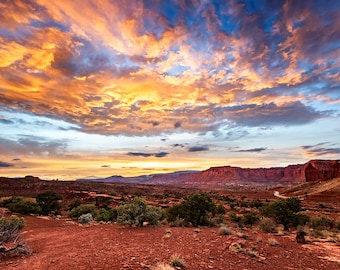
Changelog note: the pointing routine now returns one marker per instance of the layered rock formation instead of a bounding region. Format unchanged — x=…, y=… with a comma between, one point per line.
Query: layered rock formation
x=228, y=176
x=322, y=170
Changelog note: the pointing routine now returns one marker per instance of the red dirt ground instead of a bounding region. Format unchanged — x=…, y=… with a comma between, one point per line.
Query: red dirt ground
x=64, y=244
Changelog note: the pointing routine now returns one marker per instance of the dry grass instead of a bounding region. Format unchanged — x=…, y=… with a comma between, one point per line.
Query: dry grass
x=273, y=242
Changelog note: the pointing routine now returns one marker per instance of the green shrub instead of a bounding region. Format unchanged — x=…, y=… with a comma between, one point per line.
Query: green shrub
x=85, y=218
x=301, y=219
x=82, y=209
x=197, y=209
x=220, y=209
x=9, y=228
x=74, y=204
x=106, y=215
x=137, y=212
x=256, y=203
x=48, y=201
x=250, y=218
x=283, y=211
x=18, y=205
x=235, y=218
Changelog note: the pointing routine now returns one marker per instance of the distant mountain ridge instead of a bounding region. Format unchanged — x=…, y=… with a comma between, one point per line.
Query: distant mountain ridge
x=227, y=176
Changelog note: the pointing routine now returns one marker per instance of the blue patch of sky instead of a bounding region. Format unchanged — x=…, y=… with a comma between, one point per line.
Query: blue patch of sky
x=252, y=6
x=170, y=11
x=298, y=24
x=151, y=27
x=177, y=70
x=229, y=23
x=331, y=46
x=48, y=24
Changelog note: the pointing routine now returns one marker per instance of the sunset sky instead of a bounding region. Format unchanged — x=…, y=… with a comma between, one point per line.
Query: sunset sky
x=101, y=88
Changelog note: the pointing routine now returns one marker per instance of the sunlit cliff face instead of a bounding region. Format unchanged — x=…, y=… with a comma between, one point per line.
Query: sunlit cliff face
x=95, y=88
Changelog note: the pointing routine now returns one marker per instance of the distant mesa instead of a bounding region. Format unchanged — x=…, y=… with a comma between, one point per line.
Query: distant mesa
x=219, y=177
x=227, y=176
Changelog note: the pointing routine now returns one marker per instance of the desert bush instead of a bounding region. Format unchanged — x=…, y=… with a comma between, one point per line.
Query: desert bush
x=74, y=204
x=179, y=222
x=283, y=211
x=220, y=209
x=9, y=228
x=106, y=215
x=48, y=201
x=301, y=220
x=321, y=223
x=18, y=205
x=250, y=218
x=137, y=212
x=177, y=261
x=337, y=225
x=268, y=225
x=9, y=235
x=82, y=209
x=85, y=218
x=234, y=217
x=197, y=210
x=255, y=203
x=225, y=230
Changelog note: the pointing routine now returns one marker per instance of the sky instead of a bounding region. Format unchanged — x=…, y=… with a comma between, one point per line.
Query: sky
x=101, y=88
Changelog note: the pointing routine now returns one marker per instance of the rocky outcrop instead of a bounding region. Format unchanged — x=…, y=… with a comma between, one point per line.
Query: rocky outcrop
x=322, y=170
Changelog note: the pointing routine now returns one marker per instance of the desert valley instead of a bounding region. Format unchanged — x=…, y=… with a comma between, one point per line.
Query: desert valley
x=240, y=236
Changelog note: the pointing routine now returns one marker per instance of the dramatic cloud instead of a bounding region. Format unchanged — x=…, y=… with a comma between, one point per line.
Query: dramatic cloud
x=145, y=61
x=76, y=74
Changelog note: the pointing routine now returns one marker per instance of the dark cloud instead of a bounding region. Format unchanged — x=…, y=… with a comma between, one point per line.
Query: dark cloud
x=5, y=164
x=198, y=148
x=293, y=113
x=178, y=145
x=105, y=166
x=16, y=159
x=141, y=154
x=161, y=154
x=252, y=150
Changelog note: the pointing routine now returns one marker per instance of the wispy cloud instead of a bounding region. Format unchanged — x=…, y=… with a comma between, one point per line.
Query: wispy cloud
x=252, y=150
x=321, y=149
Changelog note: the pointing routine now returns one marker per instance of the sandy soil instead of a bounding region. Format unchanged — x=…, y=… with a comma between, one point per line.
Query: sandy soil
x=64, y=244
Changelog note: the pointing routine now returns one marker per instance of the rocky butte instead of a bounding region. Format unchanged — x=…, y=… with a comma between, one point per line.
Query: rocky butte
x=229, y=176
